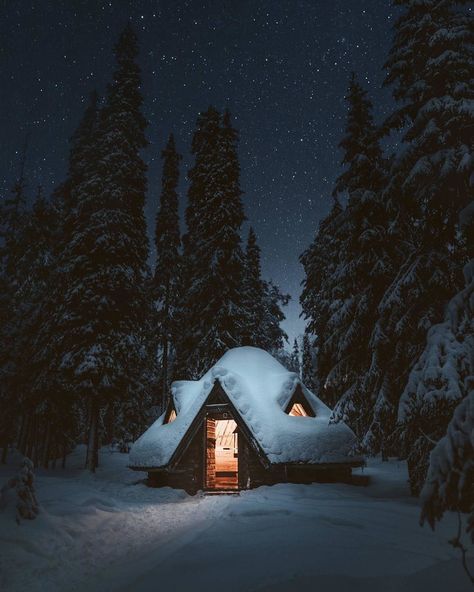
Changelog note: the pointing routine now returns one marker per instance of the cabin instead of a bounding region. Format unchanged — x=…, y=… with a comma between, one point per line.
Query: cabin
x=247, y=422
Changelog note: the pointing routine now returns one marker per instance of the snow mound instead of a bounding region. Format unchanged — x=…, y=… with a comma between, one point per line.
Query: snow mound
x=260, y=388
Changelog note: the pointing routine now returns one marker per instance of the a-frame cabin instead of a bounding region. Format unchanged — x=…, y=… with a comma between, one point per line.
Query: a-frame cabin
x=247, y=422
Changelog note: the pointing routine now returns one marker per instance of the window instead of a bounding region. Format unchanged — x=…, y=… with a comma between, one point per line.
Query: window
x=298, y=405
x=298, y=410
x=171, y=416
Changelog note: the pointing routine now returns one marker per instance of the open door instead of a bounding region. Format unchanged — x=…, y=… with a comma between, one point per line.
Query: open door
x=227, y=452
x=222, y=449
x=210, y=460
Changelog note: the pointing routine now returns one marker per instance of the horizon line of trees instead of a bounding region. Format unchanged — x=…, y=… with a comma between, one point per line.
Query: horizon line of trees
x=91, y=337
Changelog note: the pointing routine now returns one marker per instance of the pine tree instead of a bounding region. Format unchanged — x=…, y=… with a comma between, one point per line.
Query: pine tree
x=57, y=391
x=127, y=353
x=348, y=268
x=36, y=268
x=449, y=481
x=101, y=348
x=273, y=336
x=308, y=369
x=430, y=67
x=320, y=290
x=13, y=224
x=262, y=303
x=363, y=273
x=212, y=314
x=440, y=379
x=166, y=282
x=295, y=358
x=254, y=294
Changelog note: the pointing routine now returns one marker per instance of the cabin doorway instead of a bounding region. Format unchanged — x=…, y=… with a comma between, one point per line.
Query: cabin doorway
x=222, y=452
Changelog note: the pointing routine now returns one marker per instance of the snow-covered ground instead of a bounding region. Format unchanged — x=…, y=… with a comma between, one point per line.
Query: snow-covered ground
x=109, y=532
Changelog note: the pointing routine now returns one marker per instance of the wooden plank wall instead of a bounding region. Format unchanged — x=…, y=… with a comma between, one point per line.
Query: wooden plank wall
x=188, y=474
x=210, y=457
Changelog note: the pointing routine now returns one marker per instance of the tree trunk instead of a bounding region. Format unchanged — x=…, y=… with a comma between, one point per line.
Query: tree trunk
x=93, y=440
x=4, y=454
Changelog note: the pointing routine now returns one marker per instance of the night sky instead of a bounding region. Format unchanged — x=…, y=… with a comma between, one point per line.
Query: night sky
x=281, y=67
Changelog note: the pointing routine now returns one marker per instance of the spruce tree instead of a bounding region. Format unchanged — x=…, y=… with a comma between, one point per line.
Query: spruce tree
x=430, y=67
x=127, y=355
x=320, y=289
x=166, y=282
x=295, y=358
x=262, y=303
x=308, y=370
x=254, y=294
x=14, y=218
x=36, y=268
x=102, y=330
x=363, y=272
x=212, y=313
x=347, y=270
x=272, y=334
x=57, y=389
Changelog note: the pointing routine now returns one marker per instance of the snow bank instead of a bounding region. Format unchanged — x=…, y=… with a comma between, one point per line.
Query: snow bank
x=260, y=388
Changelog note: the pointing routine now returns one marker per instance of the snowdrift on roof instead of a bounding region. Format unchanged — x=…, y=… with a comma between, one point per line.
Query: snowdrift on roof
x=260, y=388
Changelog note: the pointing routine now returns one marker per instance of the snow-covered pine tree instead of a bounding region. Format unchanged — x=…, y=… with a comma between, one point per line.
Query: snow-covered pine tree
x=321, y=291
x=253, y=294
x=295, y=358
x=363, y=272
x=212, y=314
x=166, y=281
x=431, y=65
x=442, y=377
x=57, y=391
x=347, y=269
x=262, y=303
x=272, y=335
x=442, y=380
x=101, y=328
x=35, y=268
x=124, y=362
x=14, y=218
x=308, y=368
x=445, y=373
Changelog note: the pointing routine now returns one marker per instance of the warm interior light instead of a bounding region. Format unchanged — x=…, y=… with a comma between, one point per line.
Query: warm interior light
x=226, y=453
x=298, y=410
x=172, y=416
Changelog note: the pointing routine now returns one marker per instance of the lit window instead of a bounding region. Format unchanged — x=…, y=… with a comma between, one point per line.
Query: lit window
x=298, y=410
x=172, y=416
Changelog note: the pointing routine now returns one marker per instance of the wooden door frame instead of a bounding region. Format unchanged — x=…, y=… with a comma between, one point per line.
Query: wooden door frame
x=211, y=411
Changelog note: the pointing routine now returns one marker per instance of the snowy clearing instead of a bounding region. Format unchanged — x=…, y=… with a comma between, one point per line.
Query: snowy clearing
x=109, y=532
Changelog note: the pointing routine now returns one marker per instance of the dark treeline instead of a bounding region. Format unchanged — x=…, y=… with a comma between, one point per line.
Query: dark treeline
x=394, y=355
x=91, y=337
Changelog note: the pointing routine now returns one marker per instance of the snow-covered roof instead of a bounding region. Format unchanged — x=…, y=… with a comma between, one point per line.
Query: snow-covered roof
x=260, y=388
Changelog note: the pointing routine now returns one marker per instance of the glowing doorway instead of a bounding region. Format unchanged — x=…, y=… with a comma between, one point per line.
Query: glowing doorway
x=222, y=454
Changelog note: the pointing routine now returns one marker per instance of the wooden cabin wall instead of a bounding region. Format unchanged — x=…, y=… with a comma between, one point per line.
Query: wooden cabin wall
x=188, y=473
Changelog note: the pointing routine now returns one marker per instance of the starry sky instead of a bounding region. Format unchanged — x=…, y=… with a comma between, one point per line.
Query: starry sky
x=281, y=67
